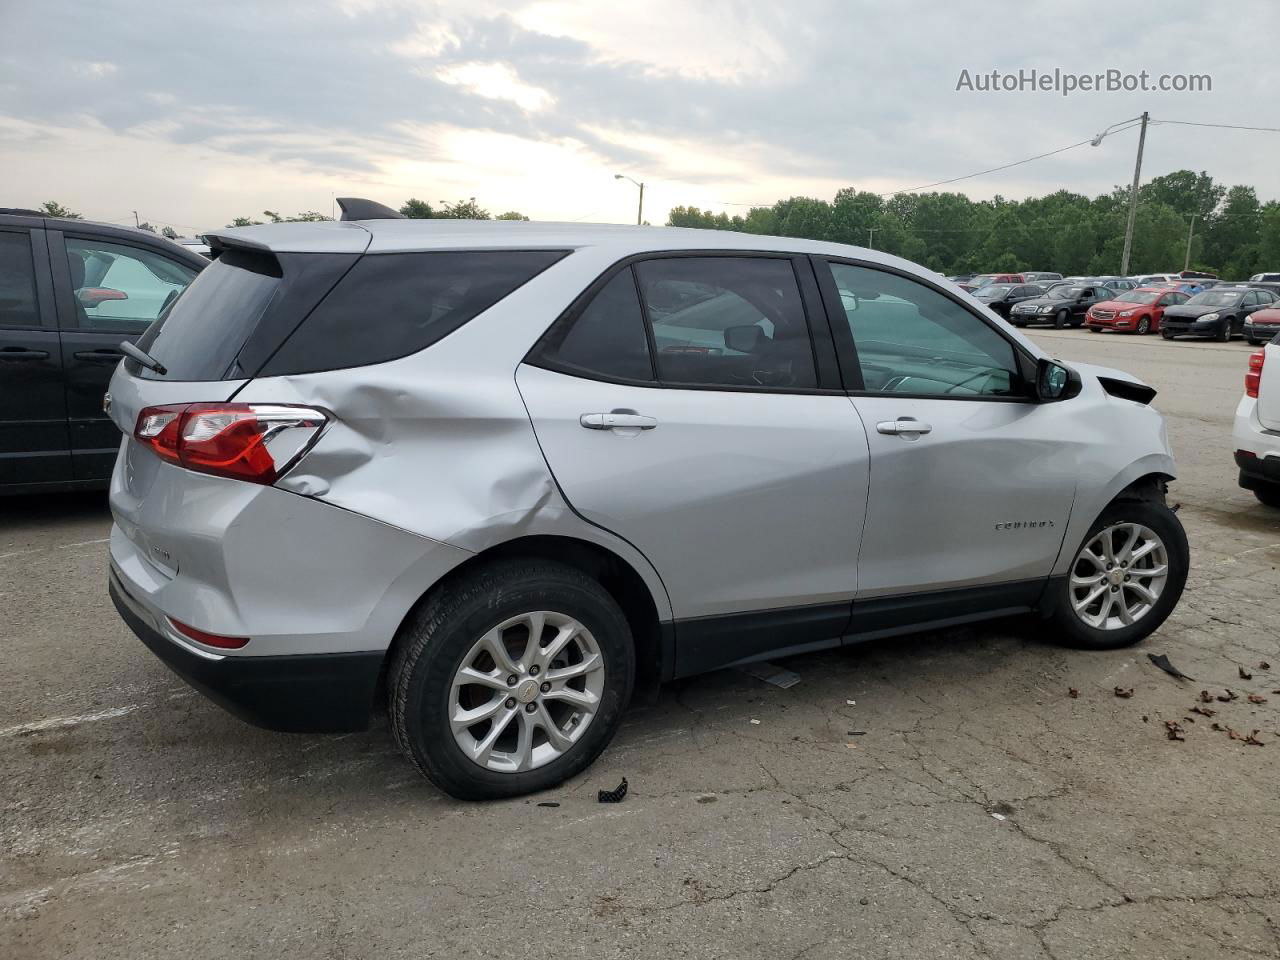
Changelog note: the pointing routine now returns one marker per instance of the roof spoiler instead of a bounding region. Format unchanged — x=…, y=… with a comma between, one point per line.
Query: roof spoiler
x=355, y=208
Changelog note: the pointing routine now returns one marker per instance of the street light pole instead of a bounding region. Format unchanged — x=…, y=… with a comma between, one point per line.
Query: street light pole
x=1133, y=199
x=640, y=208
x=1186, y=264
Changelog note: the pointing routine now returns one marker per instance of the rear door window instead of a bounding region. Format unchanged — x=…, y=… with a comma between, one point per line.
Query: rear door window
x=727, y=321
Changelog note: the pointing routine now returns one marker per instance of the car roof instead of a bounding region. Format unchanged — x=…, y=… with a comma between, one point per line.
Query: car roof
x=10, y=216
x=411, y=235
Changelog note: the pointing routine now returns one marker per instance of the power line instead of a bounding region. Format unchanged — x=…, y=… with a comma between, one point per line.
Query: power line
x=1125, y=125
x=1221, y=126
x=1016, y=163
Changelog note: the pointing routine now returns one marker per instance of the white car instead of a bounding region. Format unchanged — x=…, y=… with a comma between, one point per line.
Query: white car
x=1257, y=427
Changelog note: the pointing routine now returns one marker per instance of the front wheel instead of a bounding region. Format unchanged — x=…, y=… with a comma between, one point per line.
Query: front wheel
x=1126, y=578
x=1060, y=320
x=1144, y=326
x=511, y=679
x=1253, y=341
x=1166, y=334
x=1224, y=331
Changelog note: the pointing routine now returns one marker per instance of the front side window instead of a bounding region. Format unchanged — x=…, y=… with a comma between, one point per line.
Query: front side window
x=17, y=282
x=911, y=339
x=727, y=321
x=118, y=287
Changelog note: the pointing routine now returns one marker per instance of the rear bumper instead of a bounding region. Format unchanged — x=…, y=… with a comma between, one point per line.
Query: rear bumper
x=298, y=693
x=1258, y=472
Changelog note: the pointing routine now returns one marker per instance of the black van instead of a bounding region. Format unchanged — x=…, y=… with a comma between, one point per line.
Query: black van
x=70, y=291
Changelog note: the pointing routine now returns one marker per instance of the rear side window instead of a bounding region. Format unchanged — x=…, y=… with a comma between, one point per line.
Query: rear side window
x=17, y=282
x=606, y=339
x=390, y=305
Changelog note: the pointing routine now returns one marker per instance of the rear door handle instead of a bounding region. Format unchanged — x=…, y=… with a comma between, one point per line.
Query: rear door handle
x=607, y=421
x=904, y=427
x=100, y=356
x=21, y=353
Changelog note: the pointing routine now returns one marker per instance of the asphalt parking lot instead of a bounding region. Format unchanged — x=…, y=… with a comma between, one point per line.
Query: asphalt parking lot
x=939, y=795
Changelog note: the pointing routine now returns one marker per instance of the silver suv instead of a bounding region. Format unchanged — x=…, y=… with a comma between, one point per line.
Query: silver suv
x=506, y=477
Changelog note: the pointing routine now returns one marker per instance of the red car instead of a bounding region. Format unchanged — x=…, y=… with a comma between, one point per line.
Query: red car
x=1261, y=326
x=1133, y=311
x=984, y=279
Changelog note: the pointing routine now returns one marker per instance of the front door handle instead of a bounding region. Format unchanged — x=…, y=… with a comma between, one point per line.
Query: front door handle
x=21, y=353
x=100, y=356
x=608, y=421
x=906, y=427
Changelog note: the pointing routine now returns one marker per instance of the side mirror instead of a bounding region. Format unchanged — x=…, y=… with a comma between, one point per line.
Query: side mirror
x=743, y=339
x=1055, y=382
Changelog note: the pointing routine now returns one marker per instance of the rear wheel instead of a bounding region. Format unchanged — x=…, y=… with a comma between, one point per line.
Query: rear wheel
x=1144, y=326
x=511, y=679
x=1126, y=578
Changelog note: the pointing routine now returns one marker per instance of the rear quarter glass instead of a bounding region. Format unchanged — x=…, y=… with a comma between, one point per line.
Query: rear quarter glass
x=390, y=305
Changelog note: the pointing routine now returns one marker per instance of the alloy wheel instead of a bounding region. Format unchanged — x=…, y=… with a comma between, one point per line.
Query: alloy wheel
x=526, y=692
x=1118, y=576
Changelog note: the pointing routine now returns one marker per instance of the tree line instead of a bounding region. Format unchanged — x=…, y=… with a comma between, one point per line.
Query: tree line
x=413, y=208
x=1234, y=234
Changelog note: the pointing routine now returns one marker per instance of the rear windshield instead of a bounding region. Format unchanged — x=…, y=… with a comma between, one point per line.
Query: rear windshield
x=254, y=314
x=199, y=337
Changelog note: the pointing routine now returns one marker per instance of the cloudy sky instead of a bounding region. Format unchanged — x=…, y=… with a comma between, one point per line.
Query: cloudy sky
x=193, y=113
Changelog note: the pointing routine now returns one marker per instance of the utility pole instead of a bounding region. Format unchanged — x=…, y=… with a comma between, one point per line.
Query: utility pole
x=871, y=237
x=135, y=218
x=1186, y=264
x=1133, y=199
x=640, y=208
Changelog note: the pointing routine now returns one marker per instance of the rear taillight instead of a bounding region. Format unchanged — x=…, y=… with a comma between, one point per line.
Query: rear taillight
x=257, y=442
x=1254, y=377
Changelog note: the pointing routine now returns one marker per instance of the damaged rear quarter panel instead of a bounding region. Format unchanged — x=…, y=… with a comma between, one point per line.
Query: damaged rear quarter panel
x=439, y=443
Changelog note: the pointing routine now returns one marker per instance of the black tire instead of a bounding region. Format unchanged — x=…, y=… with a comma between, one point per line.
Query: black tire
x=433, y=643
x=1144, y=326
x=1269, y=496
x=1073, y=632
x=1095, y=329
x=1018, y=323
x=1253, y=342
x=1224, y=331
x=1060, y=320
x=1166, y=334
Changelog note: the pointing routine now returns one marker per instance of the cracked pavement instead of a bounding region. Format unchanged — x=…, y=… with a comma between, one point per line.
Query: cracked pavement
x=139, y=820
